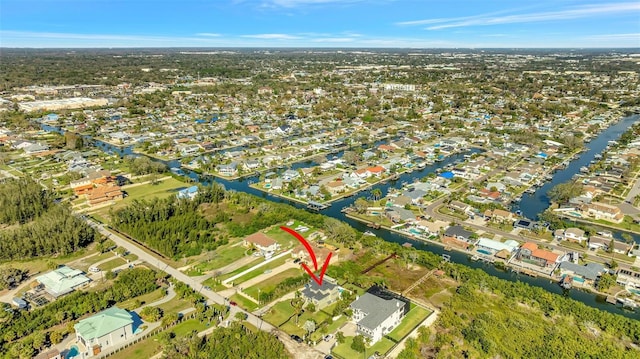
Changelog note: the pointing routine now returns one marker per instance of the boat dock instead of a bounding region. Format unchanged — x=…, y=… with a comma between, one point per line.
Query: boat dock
x=317, y=206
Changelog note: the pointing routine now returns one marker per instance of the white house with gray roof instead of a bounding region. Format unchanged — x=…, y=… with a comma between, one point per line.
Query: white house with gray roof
x=376, y=317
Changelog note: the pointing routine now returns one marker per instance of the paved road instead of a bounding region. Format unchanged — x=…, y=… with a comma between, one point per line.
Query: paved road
x=298, y=350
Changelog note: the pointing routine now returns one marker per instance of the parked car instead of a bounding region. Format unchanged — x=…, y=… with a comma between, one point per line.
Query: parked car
x=94, y=269
x=233, y=303
x=296, y=338
x=328, y=337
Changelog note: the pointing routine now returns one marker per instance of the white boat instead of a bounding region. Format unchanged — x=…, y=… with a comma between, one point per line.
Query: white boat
x=584, y=169
x=369, y=233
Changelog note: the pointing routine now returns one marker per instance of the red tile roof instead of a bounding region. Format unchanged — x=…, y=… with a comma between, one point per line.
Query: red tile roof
x=260, y=239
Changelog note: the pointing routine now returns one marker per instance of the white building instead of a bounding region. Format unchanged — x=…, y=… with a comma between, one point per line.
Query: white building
x=376, y=317
x=108, y=328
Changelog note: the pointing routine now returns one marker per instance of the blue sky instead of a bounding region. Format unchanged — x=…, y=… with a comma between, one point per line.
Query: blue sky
x=320, y=23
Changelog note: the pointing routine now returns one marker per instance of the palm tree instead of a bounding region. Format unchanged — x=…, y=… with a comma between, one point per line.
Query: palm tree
x=376, y=193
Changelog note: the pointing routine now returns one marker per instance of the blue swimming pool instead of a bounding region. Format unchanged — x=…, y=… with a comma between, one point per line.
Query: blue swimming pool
x=73, y=352
x=414, y=231
x=634, y=291
x=578, y=279
x=484, y=251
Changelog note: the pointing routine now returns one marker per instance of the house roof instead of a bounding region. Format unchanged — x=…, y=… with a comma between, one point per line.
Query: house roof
x=317, y=292
x=103, y=323
x=377, y=309
x=591, y=271
x=260, y=239
x=457, y=231
x=62, y=280
x=541, y=253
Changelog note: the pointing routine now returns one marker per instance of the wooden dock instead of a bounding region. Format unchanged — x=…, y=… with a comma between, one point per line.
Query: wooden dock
x=611, y=299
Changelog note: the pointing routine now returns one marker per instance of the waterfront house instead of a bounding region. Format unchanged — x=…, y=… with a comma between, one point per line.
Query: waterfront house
x=604, y=211
x=262, y=243
x=188, y=193
x=321, y=295
x=109, y=328
x=458, y=233
x=494, y=246
x=398, y=215
x=376, y=171
x=228, y=170
x=376, y=317
x=628, y=277
x=529, y=252
x=589, y=272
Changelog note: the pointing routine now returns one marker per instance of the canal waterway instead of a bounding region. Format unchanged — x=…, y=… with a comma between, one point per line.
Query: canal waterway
x=596, y=146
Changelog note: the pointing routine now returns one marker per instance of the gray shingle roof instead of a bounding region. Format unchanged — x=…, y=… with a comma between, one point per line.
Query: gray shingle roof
x=377, y=309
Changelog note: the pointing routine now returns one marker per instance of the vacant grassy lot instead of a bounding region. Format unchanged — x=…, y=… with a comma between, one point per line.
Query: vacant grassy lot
x=148, y=298
x=285, y=239
x=188, y=326
x=222, y=257
x=269, y=266
x=244, y=303
x=270, y=284
x=279, y=313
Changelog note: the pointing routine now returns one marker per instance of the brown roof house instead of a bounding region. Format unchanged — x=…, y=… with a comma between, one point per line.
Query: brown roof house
x=263, y=243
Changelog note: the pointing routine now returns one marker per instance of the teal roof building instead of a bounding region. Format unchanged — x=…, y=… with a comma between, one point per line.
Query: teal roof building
x=110, y=327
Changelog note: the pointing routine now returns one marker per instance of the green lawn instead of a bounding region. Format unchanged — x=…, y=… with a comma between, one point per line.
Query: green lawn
x=40, y=265
x=242, y=269
x=344, y=350
x=271, y=283
x=222, y=257
x=109, y=265
x=279, y=313
x=142, y=350
x=175, y=306
x=409, y=322
x=144, y=299
x=188, y=326
x=244, y=303
x=269, y=266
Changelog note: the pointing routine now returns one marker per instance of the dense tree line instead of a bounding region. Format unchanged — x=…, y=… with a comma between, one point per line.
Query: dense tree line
x=11, y=277
x=22, y=200
x=142, y=165
x=17, y=331
x=233, y=342
x=56, y=232
x=478, y=323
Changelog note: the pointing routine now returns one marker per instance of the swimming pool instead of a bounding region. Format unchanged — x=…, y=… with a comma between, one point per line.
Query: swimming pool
x=634, y=291
x=73, y=352
x=267, y=185
x=575, y=214
x=374, y=213
x=484, y=251
x=578, y=279
x=414, y=231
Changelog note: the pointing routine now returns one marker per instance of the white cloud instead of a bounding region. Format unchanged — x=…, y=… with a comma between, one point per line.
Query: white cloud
x=334, y=39
x=208, y=34
x=491, y=18
x=272, y=36
x=297, y=3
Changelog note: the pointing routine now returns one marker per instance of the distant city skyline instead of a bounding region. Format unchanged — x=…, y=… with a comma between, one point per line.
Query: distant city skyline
x=320, y=23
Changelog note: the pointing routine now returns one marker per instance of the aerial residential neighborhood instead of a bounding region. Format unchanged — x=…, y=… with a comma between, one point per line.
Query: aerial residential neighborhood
x=312, y=190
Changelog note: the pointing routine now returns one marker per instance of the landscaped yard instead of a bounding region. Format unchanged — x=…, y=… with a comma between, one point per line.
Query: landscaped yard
x=148, y=298
x=410, y=321
x=142, y=350
x=279, y=313
x=344, y=350
x=189, y=326
x=271, y=283
x=109, y=265
x=175, y=306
